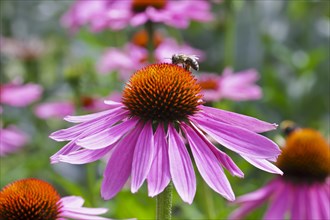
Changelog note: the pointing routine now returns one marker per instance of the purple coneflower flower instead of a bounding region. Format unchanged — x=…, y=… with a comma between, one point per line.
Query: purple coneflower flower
x=11, y=140
x=36, y=199
x=20, y=95
x=162, y=108
x=118, y=14
x=238, y=87
x=303, y=192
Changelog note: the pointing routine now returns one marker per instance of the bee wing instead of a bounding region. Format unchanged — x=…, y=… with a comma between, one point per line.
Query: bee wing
x=194, y=57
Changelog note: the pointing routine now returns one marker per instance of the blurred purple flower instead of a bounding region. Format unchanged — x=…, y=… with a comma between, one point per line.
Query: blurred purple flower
x=118, y=14
x=238, y=87
x=133, y=57
x=160, y=110
x=20, y=95
x=60, y=109
x=57, y=109
x=11, y=140
x=303, y=192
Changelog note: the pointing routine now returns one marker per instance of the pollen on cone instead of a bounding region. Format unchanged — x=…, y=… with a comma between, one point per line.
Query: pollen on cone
x=29, y=199
x=306, y=155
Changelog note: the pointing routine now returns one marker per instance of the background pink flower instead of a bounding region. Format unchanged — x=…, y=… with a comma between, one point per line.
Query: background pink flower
x=303, y=191
x=239, y=86
x=118, y=14
x=133, y=57
x=20, y=95
x=11, y=139
x=57, y=109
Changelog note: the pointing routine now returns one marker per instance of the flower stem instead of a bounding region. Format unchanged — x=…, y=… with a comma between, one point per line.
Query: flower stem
x=164, y=204
x=229, y=34
x=208, y=201
x=150, y=31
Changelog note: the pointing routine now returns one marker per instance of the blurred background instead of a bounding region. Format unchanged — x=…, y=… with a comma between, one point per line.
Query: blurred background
x=69, y=72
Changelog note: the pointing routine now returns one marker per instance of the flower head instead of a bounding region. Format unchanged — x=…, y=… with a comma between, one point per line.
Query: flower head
x=161, y=109
x=238, y=87
x=118, y=14
x=303, y=191
x=32, y=199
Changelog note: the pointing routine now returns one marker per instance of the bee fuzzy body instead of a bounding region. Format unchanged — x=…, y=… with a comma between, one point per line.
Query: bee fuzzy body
x=187, y=61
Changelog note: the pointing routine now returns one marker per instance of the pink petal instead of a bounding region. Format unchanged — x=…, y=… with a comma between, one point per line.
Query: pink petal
x=181, y=168
x=263, y=165
x=119, y=165
x=71, y=207
x=143, y=157
x=107, y=136
x=84, y=156
x=89, y=117
x=260, y=194
x=87, y=128
x=207, y=164
x=159, y=175
x=68, y=148
x=281, y=202
x=253, y=200
x=324, y=201
x=227, y=162
x=239, y=140
x=113, y=104
x=298, y=209
x=313, y=200
x=244, y=210
x=239, y=120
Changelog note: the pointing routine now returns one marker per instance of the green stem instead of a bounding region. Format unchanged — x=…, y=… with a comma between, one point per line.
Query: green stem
x=208, y=201
x=164, y=204
x=150, y=31
x=91, y=181
x=229, y=35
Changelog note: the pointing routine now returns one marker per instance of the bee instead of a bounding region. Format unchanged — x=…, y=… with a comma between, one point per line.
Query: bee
x=187, y=61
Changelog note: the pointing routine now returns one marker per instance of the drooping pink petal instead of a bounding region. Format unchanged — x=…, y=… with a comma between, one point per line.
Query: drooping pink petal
x=226, y=161
x=71, y=207
x=298, y=210
x=313, y=202
x=244, y=210
x=84, y=156
x=263, y=164
x=281, y=201
x=251, y=201
x=239, y=140
x=159, y=175
x=207, y=164
x=260, y=194
x=324, y=201
x=119, y=165
x=143, y=157
x=69, y=147
x=106, y=136
x=88, y=127
x=181, y=168
x=239, y=120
